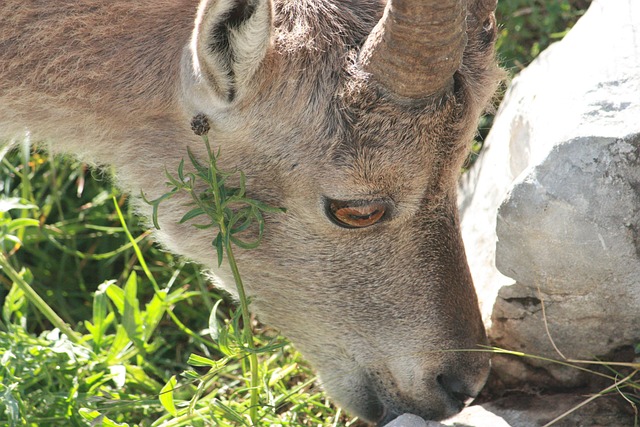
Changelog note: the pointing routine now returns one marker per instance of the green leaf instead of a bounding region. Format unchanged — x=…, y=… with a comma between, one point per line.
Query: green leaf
x=100, y=312
x=11, y=238
x=244, y=217
x=267, y=349
x=14, y=303
x=230, y=414
x=243, y=181
x=214, y=328
x=191, y=374
x=154, y=312
x=181, y=170
x=131, y=318
x=265, y=207
x=279, y=374
x=9, y=203
x=116, y=295
x=197, y=360
x=204, y=226
x=136, y=374
x=193, y=213
x=176, y=183
x=202, y=171
x=218, y=245
x=156, y=204
x=166, y=396
x=11, y=407
x=99, y=419
x=245, y=244
x=22, y=223
x=224, y=345
x=121, y=342
x=92, y=379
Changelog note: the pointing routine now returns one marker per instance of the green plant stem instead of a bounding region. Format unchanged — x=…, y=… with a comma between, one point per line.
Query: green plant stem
x=136, y=248
x=244, y=305
x=25, y=149
x=39, y=303
x=247, y=334
x=569, y=362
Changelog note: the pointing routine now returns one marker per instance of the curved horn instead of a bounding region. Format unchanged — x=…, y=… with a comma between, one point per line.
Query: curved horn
x=416, y=47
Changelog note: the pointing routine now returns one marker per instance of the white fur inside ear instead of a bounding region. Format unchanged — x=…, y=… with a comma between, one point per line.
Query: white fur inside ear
x=197, y=93
x=226, y=54
x=250, y=42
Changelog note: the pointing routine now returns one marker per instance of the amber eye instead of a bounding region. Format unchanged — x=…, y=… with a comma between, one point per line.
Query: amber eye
x=355, y=214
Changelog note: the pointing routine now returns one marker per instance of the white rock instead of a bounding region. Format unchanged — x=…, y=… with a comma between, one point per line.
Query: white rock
x=477, y=416
x=410, y=420
x=562, y=163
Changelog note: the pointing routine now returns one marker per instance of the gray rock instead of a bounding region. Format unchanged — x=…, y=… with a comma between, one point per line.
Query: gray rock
x=568, y=231
x=559, y=179
x=477, y=416
x=410, y=420
x=473, y=416
x=520, y=410
x=564, y=410
x=569, y=236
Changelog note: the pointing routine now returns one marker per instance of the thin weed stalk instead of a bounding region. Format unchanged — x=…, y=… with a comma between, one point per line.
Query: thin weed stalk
x=247, y=332
x=592, y=398
x=39, y=303
x=228, y=210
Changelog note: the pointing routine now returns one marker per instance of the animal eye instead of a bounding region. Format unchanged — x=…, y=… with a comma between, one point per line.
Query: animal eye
x=355, y=214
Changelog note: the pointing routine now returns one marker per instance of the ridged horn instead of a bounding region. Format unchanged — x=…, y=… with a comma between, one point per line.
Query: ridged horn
x=416, y=47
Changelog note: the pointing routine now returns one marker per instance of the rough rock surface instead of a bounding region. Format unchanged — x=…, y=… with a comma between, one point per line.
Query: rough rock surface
x=559, y=178
x=563, y=165
x=525, y=411
x=521, y=410
x=473, y=416
x=409, y=420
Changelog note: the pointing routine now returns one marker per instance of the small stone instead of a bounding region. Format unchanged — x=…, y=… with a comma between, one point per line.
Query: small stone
x=410, y=420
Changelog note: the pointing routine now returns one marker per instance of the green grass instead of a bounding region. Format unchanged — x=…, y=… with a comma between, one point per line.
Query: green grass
x=123, y=333
x=120, y=321
x=527, y=27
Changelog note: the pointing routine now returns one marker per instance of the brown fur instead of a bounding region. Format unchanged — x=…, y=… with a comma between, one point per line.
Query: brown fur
x=116, y=83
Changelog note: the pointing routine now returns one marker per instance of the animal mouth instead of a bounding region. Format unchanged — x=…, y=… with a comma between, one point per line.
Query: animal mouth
x=457, y=393
x=454, y=394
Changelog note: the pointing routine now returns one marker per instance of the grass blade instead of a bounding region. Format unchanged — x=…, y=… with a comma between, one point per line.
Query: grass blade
x=166, y=396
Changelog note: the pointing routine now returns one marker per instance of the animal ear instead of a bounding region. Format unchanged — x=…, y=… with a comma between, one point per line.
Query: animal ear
x=230, y=40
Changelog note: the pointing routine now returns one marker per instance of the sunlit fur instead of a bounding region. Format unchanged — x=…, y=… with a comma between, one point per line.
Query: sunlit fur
x=117, y=82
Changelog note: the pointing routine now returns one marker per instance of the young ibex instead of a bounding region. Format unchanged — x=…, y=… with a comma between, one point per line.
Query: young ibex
x=353, y=115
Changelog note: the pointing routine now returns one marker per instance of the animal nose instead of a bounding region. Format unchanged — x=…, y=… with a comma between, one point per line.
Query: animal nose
x=458, y=393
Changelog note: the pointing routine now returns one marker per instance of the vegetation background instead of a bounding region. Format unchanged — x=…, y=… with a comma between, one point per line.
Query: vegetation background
x=141, y=350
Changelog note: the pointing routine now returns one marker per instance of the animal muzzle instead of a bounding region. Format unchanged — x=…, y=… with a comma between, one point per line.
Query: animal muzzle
x=434, y=394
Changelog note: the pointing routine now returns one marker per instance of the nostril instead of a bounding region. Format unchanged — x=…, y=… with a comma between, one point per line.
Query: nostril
x=456, y=390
